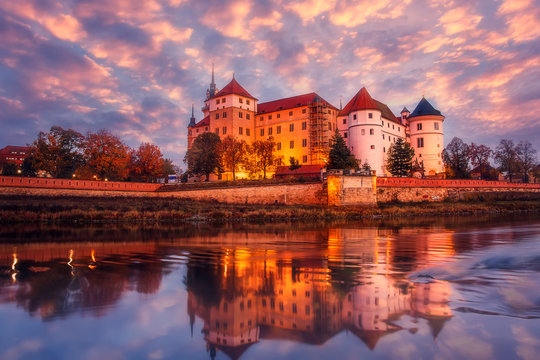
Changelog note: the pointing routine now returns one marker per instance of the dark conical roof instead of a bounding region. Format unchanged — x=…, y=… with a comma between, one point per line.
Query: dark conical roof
x=405, y=110
x=424, y=108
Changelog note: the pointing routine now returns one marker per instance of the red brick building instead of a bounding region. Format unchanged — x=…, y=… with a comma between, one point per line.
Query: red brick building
x=13, y=154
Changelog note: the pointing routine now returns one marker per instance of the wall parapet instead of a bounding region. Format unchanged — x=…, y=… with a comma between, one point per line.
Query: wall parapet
x=446, y=183
x=48, y=183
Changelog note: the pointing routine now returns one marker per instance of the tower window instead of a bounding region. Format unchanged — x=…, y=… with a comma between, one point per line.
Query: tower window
x=372, y=146
x=345, y=135
x=371, y=131
x=354, y=117
x=345, y=121
x=420, y=142
x=419, y=126
x=436, y=126
x=370, y=115
x=383, y=136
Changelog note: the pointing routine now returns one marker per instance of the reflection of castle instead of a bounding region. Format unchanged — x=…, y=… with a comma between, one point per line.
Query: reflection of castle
x=264, y=296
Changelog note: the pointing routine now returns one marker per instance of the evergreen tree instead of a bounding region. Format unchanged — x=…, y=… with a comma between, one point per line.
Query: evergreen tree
x=340, y=157
x=400, y=158
x=295, y=164
x=204, y=157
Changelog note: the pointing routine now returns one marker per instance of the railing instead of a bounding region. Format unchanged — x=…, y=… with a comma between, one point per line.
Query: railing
x=413, y=182
x=8, y=181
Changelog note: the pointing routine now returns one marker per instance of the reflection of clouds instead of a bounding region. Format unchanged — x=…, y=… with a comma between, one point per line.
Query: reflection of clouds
x=25, y=349
x=528, y=345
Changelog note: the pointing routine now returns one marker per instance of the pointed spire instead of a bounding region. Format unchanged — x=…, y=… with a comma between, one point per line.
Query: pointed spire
x=212, y=84
x=192, y=119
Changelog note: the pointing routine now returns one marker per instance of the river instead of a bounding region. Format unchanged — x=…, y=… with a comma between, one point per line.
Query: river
x=446, y=288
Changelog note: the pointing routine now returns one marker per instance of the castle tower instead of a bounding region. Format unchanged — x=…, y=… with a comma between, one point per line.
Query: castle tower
x=192, y=118
x=426, y=134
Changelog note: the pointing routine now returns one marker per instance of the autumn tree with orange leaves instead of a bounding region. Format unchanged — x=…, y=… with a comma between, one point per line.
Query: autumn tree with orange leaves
x=106, y=156
x=147, y=162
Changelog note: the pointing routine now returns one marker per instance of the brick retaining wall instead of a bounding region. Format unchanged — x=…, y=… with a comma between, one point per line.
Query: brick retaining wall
x=10, y=181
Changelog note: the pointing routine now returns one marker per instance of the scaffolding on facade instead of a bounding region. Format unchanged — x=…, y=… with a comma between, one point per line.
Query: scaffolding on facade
x=319, y=127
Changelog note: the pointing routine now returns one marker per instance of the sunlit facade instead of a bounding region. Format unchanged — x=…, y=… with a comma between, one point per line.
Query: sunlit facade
x=303, y=125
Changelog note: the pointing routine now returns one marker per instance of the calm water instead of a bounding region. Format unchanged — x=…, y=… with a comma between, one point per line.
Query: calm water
x=428, y=288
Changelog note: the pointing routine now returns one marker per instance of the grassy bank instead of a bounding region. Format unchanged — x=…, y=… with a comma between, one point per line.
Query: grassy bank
x=22, y=209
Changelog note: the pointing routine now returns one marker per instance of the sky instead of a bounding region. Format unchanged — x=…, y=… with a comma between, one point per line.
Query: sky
x=136, y=67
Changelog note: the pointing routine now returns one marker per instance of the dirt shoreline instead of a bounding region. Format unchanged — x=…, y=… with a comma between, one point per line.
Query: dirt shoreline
x=49, y=209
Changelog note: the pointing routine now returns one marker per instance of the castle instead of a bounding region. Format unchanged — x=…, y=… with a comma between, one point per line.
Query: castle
x=302, y=126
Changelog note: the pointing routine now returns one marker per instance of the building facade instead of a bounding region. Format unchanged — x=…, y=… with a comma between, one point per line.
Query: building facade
x=302, y=126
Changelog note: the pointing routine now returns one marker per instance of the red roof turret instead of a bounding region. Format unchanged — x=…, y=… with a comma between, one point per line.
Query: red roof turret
x=234, y=88
x=361, y=101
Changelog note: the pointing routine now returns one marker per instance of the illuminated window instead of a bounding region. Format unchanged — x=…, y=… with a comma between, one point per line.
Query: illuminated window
x=420, y=141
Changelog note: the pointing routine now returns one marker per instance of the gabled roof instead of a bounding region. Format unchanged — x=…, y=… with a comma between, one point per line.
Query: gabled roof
x=203, y=122
x=361, y=101
x=12, y=148
x=291, y=102
x=234, y=88
x=424, y=108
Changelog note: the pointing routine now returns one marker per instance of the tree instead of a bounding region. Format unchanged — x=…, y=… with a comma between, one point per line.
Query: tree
x=506, y=157
x=147, y=162
x=27, y=167
x=9, y=169
x=294, y=164
x=456, y=157
x=234, y=153
x=57, y=152
x=340, y=157
x=204, y=157
x=400, y=158
x=106, y=156
x=479, y=155
x=261, y=156
x=169, y=168
x=366, y=168
x=526, y=157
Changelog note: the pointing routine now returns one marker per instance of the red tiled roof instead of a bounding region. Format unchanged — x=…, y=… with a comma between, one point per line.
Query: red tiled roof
x=234, y=88
x=11, y=148
x=203, y=122
x=291, y=102
x=361, y=101
x=303, y=170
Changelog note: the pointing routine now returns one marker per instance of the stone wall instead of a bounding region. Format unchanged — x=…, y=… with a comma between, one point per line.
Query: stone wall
x=12, y=181
x=351, y=190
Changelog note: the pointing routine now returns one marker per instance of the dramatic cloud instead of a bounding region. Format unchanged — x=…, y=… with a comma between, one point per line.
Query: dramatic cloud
x=135, y=67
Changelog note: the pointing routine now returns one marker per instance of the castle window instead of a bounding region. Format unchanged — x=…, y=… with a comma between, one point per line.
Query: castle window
x=240, y=100
x=303, y=111
x=278, y=116
x=354, y=117
x=217, y=131
x=345, y=135
x=269, y=131
x=248, y=116
x=371, y=131
x=224, y=130
x=393, y=126
x=344, y=120
x=420, y=142
x=240, y=115
x=217, y=101
x=382, y=123
x=290, y=113
x=304, y=142
x=304, y=125
x=240, y=131
x=399, y=129
x=189, y=132
x=223, y=100
x=363, y=132
x=291, y=127
x=436, y=125
x=278, y=129
x=247, y=101
x=419, y=126
x=217, y=116
x=278, y=146
x=248, y=132
x=281, y=307
x=294, y=308
x=269, y=117
x=224, y=115
x=370, y=115
x=372, y=147
x=388, y=124
x=291, y=145
x=262, y=132
x=383, y=136
x=384, y=149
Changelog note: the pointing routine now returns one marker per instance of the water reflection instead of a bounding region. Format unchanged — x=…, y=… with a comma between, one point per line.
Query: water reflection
x=249, y=284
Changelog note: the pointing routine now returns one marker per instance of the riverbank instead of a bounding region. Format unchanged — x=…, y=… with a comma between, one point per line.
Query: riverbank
x=72, y=209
